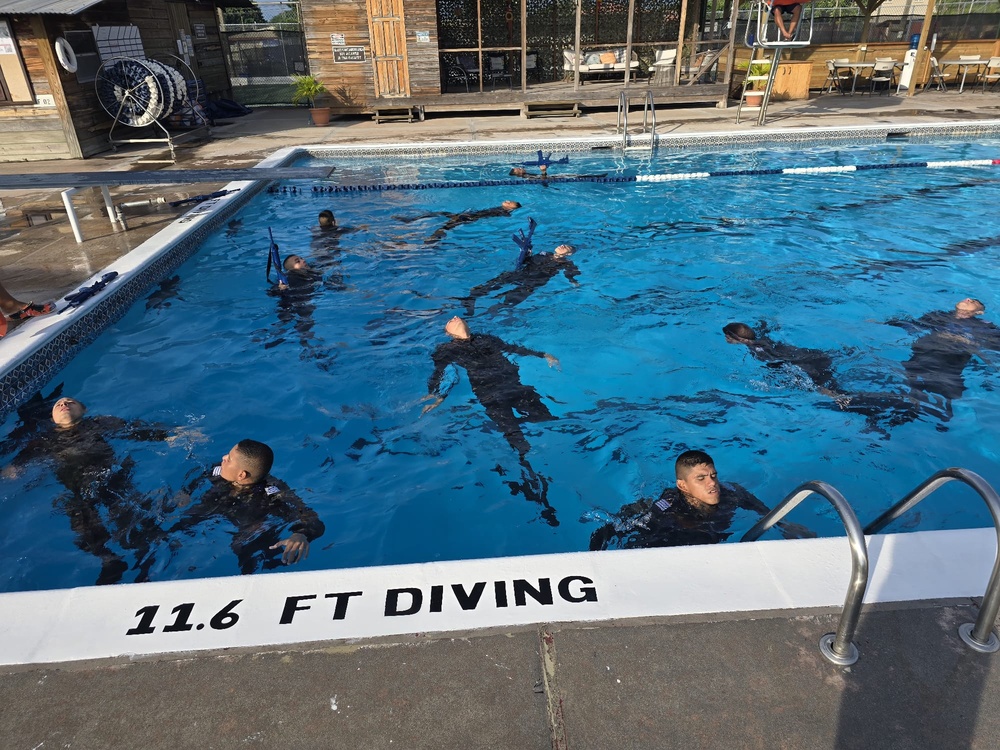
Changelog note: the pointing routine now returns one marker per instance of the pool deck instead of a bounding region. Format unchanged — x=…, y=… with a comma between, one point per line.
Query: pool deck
x=750, y=680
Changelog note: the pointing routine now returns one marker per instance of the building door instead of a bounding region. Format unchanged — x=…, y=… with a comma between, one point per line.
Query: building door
x=180, y=26
x=388, y=34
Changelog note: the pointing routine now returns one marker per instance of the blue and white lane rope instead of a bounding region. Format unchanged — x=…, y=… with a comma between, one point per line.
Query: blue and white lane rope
x=634, y=178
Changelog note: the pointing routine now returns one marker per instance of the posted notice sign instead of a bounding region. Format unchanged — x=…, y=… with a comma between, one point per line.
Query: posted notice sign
x=348, y=54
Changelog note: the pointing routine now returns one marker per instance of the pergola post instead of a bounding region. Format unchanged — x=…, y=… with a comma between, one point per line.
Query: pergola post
x=923, y=54
x=576, y=48
x=628, y=42
x=680, y=42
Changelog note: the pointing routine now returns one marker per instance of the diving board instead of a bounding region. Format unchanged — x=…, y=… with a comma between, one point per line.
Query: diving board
x=71, y=182
x=158, y=177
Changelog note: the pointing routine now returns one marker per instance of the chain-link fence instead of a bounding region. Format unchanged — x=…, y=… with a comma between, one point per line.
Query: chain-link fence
x=264, y=47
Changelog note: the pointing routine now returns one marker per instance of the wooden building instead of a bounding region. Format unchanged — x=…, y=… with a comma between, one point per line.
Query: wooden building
x=49, y=112
x=490, y=54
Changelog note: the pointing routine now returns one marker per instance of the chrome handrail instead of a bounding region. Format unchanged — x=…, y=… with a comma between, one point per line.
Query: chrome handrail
x=650, y=106
x=979, y=636
x=623, y=118
x=836, y=647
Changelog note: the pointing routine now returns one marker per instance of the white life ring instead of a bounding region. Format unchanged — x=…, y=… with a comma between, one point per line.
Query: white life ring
x=65, y=55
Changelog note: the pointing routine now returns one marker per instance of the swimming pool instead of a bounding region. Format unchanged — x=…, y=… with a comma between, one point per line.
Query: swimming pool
x=645, y=371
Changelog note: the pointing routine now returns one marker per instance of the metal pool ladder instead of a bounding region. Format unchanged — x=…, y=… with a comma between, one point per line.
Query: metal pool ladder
x=836, y=647
x=648, y=119
x=979, y=635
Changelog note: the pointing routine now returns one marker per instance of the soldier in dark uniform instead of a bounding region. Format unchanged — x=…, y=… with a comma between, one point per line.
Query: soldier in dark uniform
x=266, y=515
x=102, y=503
x=699, y=510
x=534, y=273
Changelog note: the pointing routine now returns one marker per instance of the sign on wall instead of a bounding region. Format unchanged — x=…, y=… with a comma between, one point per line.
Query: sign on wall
x=337, y=40
x=6, y=40
x=348, y=54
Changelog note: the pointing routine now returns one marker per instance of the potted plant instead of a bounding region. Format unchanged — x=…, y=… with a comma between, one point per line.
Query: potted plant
x=759, y=71
x=310, y=88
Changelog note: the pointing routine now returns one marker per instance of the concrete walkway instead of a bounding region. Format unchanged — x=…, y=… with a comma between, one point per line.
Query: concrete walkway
x=749, y=682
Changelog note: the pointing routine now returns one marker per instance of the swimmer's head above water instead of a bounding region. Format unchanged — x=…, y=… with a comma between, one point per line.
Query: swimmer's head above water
x=510, y=205
x=564, y=251
x=969, y=308
x=66, y=412
x=327, y=220
x=739, y=333
x=295, y=263
x=457, y=328
x=697, y=478
x=247, y=463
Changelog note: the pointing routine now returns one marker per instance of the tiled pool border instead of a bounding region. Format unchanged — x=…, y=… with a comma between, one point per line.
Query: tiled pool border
x=36, y=352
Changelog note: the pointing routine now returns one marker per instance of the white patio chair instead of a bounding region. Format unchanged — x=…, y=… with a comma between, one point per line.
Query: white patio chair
x=938, y=77
x=883, y=76
x=838, y=77
x=991, y=74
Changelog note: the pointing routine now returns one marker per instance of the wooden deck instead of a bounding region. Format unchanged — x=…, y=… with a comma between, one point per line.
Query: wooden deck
x=590, y=94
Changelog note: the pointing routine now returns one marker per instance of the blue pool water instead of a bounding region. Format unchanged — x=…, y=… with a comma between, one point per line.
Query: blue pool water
x=645, y=371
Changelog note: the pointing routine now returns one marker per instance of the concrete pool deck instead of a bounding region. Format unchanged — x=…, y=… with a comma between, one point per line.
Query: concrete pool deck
x=710, y=681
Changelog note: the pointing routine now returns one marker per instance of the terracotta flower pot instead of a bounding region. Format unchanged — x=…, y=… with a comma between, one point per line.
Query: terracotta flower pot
x=755, y=98
x=320, y=116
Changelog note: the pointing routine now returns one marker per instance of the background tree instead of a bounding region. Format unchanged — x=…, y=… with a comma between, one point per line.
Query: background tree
x=287, y=16
x=867, y=8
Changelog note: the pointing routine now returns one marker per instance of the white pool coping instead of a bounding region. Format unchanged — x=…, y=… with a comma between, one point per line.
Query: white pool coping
x=68, y=625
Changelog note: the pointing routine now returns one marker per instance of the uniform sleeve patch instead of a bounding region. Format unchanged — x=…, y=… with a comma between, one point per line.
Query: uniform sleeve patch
x=217, y=471
x=271, y=490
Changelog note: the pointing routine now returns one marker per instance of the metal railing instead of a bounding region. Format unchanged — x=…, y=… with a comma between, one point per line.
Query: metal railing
x=978, y=636
x=622, y=123
x=649, y=107
x=835, y=647
x=648, y=118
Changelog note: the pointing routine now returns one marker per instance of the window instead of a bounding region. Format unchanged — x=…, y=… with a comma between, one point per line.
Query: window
x=87, y=58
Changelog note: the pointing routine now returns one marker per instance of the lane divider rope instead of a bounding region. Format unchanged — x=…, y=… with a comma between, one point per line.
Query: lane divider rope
x=632, y=178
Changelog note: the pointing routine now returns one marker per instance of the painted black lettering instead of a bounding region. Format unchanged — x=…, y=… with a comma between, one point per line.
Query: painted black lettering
x=500, y=589
x=542, y=595
x=471, y=600
x=343, y=599
x=392, y=602
x=587, y=593
x=292, y=606
x=437, y=598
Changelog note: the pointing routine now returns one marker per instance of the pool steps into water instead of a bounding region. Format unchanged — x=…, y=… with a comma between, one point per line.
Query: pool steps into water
x=838, y=647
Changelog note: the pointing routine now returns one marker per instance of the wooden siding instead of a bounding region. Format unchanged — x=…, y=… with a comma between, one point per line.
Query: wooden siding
x=209, y=53
x=78, y=126
x=425, y=63
x=29, y=133
x=352, y=85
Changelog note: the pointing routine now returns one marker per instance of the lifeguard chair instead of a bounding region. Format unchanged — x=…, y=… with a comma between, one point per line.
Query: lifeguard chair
x=763, y=36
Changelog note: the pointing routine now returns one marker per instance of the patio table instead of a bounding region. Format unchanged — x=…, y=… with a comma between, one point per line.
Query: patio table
x=965, y=65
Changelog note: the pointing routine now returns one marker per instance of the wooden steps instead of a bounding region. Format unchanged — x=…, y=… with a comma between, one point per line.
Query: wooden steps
x=400, y=113
x=550, y=109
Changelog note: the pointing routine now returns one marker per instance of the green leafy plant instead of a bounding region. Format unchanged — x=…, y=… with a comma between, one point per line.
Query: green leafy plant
x=759, y=69
x=308, y=88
